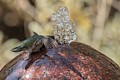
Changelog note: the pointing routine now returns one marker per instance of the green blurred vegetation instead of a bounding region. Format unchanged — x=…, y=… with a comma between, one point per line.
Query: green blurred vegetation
x=97, y=23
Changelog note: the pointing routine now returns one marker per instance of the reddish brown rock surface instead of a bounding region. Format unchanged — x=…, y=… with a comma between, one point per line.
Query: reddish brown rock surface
x=75, y=62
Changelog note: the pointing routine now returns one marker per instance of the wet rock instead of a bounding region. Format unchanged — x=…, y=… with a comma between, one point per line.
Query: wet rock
x=76, y=61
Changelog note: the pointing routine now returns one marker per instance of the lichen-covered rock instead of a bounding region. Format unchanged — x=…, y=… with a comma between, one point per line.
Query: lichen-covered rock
x=76, y=61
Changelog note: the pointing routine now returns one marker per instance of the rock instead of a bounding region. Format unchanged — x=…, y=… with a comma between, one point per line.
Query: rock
x=76, y=61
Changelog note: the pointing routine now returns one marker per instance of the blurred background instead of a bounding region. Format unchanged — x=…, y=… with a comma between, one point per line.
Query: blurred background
x=97, y=23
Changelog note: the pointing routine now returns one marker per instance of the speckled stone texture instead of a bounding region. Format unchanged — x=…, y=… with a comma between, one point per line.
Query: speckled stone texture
x=76, y=61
